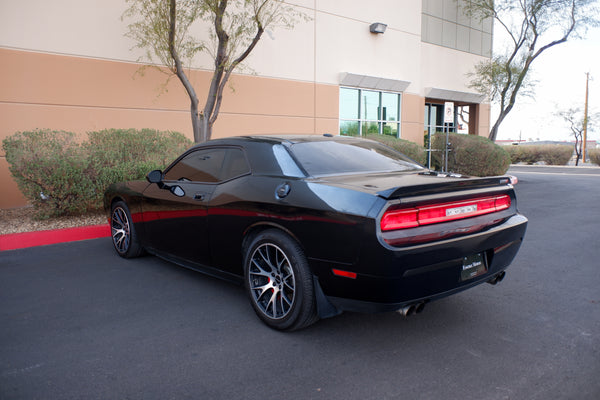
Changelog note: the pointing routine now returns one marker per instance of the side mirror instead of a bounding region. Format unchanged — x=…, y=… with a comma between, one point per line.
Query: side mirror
x=154, y=176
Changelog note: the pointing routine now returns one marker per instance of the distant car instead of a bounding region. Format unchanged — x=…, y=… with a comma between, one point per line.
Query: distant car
x=317, y=225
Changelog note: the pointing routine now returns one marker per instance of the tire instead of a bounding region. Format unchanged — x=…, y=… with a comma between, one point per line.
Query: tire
x=123, y=233
x=279, y=282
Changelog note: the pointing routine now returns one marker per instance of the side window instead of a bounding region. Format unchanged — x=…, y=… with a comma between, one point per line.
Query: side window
x=234, y=165
x=209, y=166
x=200, y=166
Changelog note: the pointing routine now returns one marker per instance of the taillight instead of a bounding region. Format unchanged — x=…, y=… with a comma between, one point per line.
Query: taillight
x=397, y=217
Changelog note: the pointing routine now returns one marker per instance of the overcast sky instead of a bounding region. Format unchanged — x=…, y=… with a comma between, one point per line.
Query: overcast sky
x=560, y=72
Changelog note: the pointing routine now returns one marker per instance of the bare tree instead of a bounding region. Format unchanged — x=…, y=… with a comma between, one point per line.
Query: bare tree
x=532, y=27
x=162, y=28
x=576, y=120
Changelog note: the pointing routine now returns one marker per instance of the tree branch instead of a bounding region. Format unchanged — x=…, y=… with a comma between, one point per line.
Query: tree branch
x=235, y=63
x=220, y=61
x=173, y=51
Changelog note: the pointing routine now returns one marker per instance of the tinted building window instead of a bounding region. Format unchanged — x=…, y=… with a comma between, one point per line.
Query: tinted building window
x=368, y=111
x=444, y=23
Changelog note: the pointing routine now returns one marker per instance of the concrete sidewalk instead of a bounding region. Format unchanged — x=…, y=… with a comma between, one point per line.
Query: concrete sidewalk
x=587, y=169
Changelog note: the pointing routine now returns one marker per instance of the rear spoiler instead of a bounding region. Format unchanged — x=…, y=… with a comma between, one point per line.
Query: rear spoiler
x=443, y=185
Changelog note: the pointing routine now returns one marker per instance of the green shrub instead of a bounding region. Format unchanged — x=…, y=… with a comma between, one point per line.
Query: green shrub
x=594, y=155
x=48, y=167
x=523, y=154
x=60, y=176
x=556, y=154
x=405, y=147
x=470, y=155
x=550, y=154
x=117, y=155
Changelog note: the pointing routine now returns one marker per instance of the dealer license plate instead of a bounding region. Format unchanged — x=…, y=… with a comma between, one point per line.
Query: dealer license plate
x=473, y=266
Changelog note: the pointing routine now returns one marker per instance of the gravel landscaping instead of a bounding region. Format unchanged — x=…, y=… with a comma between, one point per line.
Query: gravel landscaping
x=18, y=220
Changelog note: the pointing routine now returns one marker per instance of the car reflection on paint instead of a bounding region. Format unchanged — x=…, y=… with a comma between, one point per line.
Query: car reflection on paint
x=316, y=225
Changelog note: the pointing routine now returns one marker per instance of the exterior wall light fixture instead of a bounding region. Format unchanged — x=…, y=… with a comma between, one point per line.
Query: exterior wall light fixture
x=377, y=27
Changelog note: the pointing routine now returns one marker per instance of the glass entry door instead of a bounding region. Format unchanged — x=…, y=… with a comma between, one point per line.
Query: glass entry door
x=434, y=123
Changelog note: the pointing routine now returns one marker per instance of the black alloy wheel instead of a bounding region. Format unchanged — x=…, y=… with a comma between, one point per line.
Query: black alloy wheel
x=123, y=233
x=279, y=282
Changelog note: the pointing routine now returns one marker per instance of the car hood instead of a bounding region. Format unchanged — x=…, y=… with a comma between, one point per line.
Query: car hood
x=393, y=185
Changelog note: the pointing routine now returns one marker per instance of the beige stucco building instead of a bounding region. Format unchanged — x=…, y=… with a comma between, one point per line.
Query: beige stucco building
x=67, y=65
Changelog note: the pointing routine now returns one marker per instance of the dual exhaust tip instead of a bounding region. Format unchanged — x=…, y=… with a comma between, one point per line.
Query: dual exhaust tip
x=417, y=308
x=497, y=278
x=411, y=309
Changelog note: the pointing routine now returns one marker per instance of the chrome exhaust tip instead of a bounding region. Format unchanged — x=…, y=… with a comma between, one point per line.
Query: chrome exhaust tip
x=419, y=308
x=407, y=310
x=411, y=309
x=497, y=278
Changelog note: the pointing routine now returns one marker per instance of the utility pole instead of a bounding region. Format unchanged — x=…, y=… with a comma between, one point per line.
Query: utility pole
x=585, y=117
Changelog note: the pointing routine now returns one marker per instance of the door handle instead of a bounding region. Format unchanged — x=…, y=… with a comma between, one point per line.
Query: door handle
x=199, y=196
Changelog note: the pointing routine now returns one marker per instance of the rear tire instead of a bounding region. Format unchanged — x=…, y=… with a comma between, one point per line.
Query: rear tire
x=123, y=233
x=279, y=282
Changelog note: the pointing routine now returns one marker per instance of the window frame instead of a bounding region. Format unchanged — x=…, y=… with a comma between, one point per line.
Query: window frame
x=362, y=119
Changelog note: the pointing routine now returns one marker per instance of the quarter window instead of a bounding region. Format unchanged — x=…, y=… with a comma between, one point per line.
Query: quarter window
x=368, y=111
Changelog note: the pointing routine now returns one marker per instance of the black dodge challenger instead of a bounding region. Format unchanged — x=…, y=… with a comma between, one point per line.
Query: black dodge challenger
x=316, y=225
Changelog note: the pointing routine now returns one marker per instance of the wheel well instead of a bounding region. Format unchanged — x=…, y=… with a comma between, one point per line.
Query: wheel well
x=114, y=200
x=260, y=227
x=108, y=206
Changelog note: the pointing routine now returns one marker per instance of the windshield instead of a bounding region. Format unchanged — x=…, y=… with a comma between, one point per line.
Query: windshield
x=352, y=157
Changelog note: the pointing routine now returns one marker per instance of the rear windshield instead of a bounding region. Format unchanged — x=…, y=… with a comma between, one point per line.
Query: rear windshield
x=352, y=157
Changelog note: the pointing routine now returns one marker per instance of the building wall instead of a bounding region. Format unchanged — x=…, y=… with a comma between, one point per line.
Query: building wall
x=67, y=65
x=412, y=117
x=81, y=94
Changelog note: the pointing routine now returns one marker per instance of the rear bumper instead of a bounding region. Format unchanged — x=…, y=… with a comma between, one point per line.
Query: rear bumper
x=345, y=304
x=421, y=273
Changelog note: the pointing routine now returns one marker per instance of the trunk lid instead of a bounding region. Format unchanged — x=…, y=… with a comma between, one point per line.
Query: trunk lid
x=391, y=186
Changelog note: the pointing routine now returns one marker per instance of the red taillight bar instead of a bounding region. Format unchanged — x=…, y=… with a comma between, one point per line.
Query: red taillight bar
x=402, y=218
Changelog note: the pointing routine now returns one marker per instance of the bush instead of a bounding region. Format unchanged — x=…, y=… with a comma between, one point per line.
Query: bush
x=470, y=155
x=405, y=147
x=60, y=176
x=48, y=167
x=556, y=154
x=117, y=155
x=549, y=154
x=523, y=154
x=594, y=155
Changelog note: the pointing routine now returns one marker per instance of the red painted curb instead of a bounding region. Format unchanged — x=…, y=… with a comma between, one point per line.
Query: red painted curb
x=15, y=241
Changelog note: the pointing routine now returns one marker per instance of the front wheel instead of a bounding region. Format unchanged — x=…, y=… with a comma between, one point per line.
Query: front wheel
x=279, y=282
x=123, y=233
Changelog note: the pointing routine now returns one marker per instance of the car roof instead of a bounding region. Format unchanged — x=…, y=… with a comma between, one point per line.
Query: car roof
x=260, y=154
x=279, y=139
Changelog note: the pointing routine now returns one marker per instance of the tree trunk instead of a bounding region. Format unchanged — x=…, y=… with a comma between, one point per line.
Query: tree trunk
x=181, y=73
x=494, y=131
x=577, y=151
x=205, y=128
x=196, y=122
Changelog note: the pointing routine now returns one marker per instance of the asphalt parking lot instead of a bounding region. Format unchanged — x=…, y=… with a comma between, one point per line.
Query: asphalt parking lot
x=78, y=322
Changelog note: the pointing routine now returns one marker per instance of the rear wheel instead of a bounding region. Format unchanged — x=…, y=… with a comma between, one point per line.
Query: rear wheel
x=279, y=282
x=123, y=233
